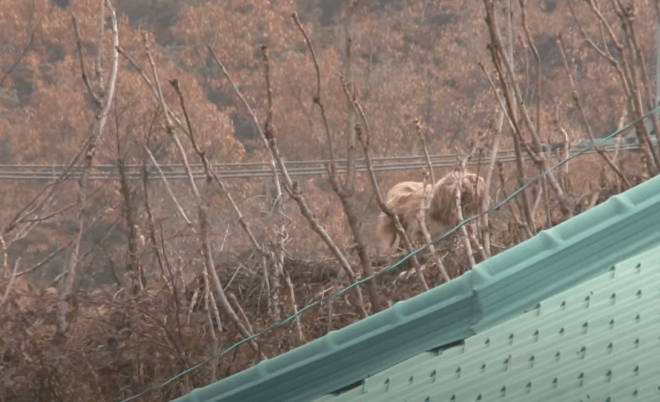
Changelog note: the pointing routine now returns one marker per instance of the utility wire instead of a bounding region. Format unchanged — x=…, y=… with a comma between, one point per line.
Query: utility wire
x=243, y=171
x=391, y=267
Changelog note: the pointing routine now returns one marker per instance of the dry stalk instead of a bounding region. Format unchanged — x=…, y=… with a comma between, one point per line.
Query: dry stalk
x=520, y=176
x=585, y=122
x=170, y=127
x=203, y=204
x=46, y=259
x=329, y=304
x=626, y=72
x=106, y=96
x=300, y=337
x=179, y=208
x=345, y=192
x=12, y=276
x=272, y=301
x=172, y=119
x=637, y=69
x=514, y=101
x=426, y=203
x=272, y=162
x=537, y=58
x=234, y=300
x=475, y=242
x=295, y=192
x=278, y=205
x=349, y=179
x=129, y=210
x=400, y=231
x=282, y=235
x=317, y=94
x=485, y=204
x=85, y=76
x=153, y=242
x=459, y=207
x=32, y=211
x=209, y=320
x=525, y=227
x=193, y=302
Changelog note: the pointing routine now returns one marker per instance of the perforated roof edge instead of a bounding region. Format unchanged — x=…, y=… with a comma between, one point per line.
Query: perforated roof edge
x=495, y=290
x=597, y=339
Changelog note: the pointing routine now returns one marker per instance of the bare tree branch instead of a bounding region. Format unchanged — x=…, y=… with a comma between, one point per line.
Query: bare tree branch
x=203, y=204
x=96, y=131
x=19, y=59
x=85, y=76
x=578, y=103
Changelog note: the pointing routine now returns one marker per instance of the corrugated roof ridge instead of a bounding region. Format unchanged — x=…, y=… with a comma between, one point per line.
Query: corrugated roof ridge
x=385, y=339
x=582, y=327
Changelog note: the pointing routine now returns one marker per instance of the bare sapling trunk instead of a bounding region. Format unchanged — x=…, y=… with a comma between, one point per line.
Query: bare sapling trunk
x=523, y=202
x=275, y=258
x=282, y=235
x=496, y=130
x=629, y=66
x=459, y=210
x=346, y=190
x=578, y=103
x=209, y=320
x=295, y=192
x=4, y=270
x=515, y=108
x=426, y=203
x=129, y=210
x=203, y=205
x=158, y=252
x=346, y=193
x=171, y=124
x=103, y=94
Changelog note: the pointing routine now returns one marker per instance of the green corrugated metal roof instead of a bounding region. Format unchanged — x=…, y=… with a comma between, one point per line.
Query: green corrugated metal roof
x=595, y=341
x=496, y=290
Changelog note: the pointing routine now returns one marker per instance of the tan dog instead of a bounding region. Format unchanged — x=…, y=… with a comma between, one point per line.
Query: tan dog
x=405, y=199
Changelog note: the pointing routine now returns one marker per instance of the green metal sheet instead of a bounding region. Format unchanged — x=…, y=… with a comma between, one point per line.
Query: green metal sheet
x=494, y=291
x=595, y=341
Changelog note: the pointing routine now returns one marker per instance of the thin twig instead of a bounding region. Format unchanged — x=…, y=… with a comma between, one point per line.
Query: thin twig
x=10, y=284
x=585, y=121
x=317, y=94
x=168, y=188
x=276, y=180
x=85, y=76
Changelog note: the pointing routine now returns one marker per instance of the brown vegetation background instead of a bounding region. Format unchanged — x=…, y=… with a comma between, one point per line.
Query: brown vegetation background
x=109, y=287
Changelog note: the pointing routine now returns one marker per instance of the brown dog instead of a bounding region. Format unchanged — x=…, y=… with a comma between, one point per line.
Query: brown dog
x=405, y=199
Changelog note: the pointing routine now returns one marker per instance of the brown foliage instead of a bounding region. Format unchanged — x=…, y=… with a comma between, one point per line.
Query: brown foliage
x=410, y=60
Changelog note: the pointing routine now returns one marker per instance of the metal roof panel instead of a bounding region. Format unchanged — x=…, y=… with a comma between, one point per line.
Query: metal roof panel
x=581, y=344
x=494, y=291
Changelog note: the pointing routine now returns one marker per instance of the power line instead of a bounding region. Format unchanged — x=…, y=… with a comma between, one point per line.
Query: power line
x=247, y=170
